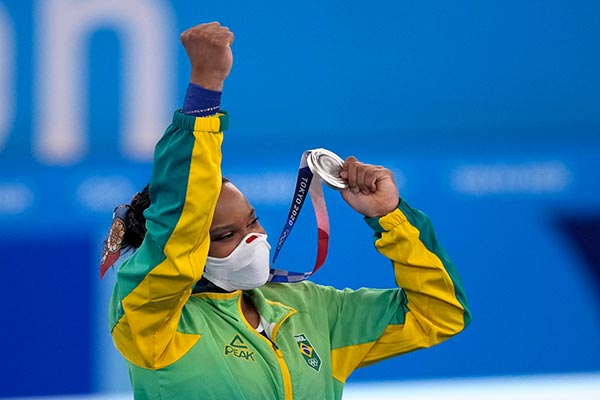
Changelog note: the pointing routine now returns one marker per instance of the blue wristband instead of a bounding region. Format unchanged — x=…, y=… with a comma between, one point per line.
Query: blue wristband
x=201, y=102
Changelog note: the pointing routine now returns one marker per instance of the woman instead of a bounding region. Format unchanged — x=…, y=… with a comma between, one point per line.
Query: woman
x=191, y=311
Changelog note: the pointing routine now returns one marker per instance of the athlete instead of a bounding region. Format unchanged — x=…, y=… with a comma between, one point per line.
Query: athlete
x=192, y=312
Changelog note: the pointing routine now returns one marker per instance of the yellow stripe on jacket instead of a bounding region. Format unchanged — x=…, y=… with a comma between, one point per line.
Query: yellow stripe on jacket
x=147, y=333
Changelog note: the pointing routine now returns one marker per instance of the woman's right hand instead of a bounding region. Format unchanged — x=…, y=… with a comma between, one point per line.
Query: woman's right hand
x=208, y=47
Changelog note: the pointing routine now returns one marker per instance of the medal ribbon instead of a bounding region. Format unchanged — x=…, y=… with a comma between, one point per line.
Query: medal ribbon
x=306, y=184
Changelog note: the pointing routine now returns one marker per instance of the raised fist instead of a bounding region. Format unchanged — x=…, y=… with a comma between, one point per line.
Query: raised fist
x=208, y=47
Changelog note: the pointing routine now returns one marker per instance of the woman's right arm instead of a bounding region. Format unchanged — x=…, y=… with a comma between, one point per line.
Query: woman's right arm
x=154, y=283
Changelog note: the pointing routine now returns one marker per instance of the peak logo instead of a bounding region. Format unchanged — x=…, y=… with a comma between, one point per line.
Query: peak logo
x=239, y=349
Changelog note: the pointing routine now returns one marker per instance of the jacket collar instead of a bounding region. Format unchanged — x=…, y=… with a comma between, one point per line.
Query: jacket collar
x=272, y=312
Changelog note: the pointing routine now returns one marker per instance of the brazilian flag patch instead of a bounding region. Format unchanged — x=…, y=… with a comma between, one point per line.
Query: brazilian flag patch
x=308, y=352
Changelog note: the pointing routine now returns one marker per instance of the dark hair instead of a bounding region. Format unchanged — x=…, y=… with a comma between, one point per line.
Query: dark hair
x=135, y=222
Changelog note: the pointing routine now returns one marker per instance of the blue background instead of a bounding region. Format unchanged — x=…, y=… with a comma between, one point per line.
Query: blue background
x=487, y=112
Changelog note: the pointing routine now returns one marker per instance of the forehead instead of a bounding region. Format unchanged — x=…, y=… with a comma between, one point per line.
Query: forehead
x=232, y=204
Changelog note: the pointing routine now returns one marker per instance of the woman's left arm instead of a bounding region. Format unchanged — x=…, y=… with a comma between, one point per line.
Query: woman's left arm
x=430, y=306
x=370, y=325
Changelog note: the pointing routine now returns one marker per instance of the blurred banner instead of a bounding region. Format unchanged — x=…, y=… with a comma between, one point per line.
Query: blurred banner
x=488, y=114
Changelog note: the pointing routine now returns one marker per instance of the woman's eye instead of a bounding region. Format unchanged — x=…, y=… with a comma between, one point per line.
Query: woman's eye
x=253, y=221
x=224, y=236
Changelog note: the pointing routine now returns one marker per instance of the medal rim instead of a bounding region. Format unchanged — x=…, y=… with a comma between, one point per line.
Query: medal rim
x=334, y=182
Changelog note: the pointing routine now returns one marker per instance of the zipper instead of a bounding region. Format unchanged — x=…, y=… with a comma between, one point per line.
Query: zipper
x=285, y=371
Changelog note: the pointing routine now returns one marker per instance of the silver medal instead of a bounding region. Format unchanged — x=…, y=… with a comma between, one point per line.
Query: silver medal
x=327, y=165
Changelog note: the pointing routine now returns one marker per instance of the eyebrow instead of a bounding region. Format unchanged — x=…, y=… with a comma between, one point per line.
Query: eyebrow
x=225, y=228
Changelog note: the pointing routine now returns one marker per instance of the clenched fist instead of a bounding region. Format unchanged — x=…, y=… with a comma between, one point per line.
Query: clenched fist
x=208, y=47
x=371, y=190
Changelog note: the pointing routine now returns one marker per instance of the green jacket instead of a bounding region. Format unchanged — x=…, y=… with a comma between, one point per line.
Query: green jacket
x=184, y=345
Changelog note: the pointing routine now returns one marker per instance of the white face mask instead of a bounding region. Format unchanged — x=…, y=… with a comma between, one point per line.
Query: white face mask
x=247, y=267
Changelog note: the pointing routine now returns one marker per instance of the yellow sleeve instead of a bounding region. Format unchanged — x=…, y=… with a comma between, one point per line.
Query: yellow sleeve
x=155, y=282
x=430, y=307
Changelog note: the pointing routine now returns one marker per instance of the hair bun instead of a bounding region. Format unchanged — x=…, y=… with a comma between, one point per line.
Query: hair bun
x=135, y=220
